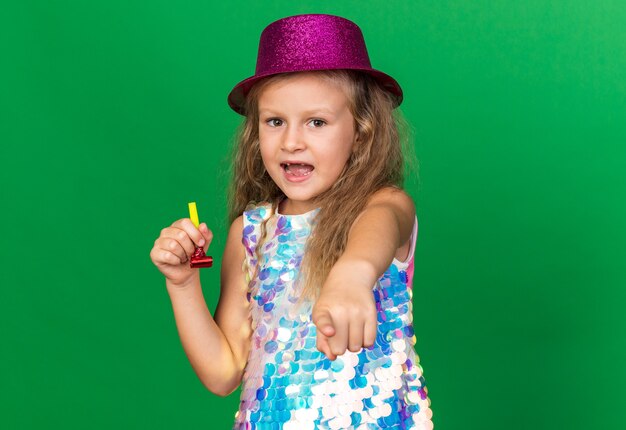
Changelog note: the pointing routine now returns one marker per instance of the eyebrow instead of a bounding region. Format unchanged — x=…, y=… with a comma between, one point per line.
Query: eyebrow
x=317, y=110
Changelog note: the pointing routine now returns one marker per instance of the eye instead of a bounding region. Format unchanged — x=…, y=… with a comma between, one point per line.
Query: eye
x=274, y=122
x=317, y=123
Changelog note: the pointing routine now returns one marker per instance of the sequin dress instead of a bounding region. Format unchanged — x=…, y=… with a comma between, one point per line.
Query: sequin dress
x=287, y=383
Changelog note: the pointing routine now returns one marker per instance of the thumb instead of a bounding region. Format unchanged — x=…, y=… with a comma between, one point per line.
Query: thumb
x=324, y=322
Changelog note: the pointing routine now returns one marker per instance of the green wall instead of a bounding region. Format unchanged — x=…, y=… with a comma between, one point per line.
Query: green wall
x=113, y=116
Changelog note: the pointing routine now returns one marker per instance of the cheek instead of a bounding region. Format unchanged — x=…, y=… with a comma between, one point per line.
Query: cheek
x=336, y=161
x=269, y=160
x=347, y=148
x=266, y=161
x=264, y=149
x=347, y=138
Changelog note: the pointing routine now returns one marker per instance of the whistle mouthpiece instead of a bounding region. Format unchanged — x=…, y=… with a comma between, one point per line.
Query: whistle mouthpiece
x=193, y=213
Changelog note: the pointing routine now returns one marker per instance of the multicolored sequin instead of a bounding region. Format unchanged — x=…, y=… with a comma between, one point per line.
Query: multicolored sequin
x=287, y=383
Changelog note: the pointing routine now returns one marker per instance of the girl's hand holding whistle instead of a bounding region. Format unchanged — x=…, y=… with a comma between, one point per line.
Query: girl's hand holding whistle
x=176, y=245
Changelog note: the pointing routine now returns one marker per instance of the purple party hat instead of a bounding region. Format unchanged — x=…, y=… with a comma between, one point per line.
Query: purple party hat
x=311, y=42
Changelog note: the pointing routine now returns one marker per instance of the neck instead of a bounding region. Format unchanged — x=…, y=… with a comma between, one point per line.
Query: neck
x=289, y=207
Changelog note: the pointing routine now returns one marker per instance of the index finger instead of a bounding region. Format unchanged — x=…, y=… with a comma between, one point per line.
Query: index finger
x=324, y=347
x=192, y=231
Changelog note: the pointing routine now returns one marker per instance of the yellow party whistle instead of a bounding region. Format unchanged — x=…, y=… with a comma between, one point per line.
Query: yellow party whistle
x=199, y=258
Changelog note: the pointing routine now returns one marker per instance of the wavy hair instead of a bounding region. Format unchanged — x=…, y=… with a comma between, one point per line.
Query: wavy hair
x=376, y=162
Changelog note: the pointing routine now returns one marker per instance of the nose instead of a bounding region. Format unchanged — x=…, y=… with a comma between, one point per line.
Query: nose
x=293, y=140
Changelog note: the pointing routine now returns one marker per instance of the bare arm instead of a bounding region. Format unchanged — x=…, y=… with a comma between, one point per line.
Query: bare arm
x=380, y=233
x=217, y=347
x=345, y=313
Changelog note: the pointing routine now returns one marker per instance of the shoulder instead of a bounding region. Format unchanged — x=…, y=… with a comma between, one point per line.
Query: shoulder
x=390, y=194
x=234, y=252
x=395, y=199
x=235, y=235
x=236, y=227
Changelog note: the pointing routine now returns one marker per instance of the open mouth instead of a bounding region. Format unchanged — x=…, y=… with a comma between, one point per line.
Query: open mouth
x=297, y=169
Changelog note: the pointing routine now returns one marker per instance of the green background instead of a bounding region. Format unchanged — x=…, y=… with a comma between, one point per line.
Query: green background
x=114, y=116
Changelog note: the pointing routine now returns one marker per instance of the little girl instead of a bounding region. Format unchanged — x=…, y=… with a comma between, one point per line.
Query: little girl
x=314, y=318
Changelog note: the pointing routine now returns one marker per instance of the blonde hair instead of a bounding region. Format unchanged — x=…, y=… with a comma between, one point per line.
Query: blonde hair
x=376, y=162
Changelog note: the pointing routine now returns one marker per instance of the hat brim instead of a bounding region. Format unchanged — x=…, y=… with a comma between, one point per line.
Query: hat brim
x=237, y=97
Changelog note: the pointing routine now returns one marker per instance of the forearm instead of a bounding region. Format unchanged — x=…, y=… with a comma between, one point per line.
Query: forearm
x=345, y=312
x=205, y=344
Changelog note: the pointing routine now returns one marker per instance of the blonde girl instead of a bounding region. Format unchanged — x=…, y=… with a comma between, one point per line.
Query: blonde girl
x=314, y=319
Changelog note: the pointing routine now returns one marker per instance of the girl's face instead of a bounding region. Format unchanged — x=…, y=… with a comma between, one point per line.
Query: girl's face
x=306, y=134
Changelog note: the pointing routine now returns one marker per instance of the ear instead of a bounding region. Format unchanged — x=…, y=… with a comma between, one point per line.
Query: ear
x=355, y=143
